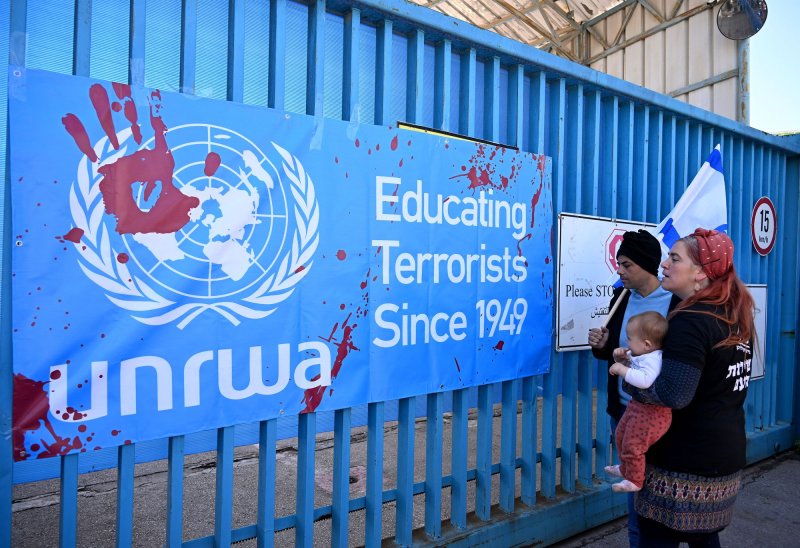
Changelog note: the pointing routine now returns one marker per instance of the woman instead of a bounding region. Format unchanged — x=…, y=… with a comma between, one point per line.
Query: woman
x=693, y=472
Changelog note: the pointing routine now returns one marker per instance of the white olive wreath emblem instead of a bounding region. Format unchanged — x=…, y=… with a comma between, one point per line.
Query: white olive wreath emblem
x=132, y=293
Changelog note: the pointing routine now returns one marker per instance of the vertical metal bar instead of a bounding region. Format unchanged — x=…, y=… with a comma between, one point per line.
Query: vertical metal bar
x=483, y=480
x=625, y=161
x=538, y=111
x=17, y=41
x=235, y=90
x=405, y=471
x=655, y=167
x=508, y=446
x=603, y=426
x=569, y=388
x=516, y=105
x=415, y=76
x=175, y=492
x=265, y=520
x=341, y=477
x=639, y=156
x=82, y=41
x=374, y=474
x=306, y=434
x=441, y=85
x=610, y=154
x=68, y=511
x=585, y=420
x=776, y=281
x=383, y=72
x=223, y=503
x=315, y=68
x=466, y=113
x=276, y=94
x=18, y=32
x=125, y=470
x=491, y=96
x=788, y=389
x=593, y=109
x=188, y=74
x=16, y=50
x=549, y=429
x=670, y=164
x=352, y=47
x=433, y=465
x=574, y=140
x=136, y=43
x=458, y=466
x=529, y=440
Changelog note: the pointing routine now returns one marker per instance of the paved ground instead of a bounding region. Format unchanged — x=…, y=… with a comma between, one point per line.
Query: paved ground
x=767, y=511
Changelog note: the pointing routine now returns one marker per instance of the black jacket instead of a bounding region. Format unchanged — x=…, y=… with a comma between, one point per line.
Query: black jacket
x=614, y=408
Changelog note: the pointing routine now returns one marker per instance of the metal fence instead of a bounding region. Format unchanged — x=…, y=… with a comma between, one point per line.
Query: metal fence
x=618, y=151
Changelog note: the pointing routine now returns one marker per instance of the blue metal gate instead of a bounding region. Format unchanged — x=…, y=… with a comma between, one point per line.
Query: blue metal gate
x=618, y=151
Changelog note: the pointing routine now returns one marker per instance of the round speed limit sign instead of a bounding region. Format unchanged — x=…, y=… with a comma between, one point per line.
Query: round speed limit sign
x=764, y=225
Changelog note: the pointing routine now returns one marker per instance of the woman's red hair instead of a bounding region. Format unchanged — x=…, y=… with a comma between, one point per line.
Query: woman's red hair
x=729, y=293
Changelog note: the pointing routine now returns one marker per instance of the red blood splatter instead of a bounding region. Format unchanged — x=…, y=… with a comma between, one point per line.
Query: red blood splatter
x=313, y=396
x=341, y=255
x=299, y=269
x=519, y=242
x=116, y=106
x=547, y=260
x=82, y=428
x=74, y=235
x=212, y=163
x=99, y=97
x=409, y=142
x=336, y=159
x=401, y=163
x=55, y=374
x=358, y=143
x=121, y=90
x=30, y=408
x=377, y=147
x=75, y=128
x=499, y=345
x=457, y=366
x=534, y=201
x=171, y=211
x=115, y=432
x=369, y=151
x=363, y=284
x=341, y=306
x=123, y=258
x=393, y=144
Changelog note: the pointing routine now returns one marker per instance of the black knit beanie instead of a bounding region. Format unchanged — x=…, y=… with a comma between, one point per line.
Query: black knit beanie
x=642, y=248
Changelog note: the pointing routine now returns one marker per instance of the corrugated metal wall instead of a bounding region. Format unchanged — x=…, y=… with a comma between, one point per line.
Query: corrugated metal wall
x=618, y=151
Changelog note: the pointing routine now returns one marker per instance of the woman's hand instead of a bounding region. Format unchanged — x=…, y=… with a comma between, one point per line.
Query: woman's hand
x=598, y=337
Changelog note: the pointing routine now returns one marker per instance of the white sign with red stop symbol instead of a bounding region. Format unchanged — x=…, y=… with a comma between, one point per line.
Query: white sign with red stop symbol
x=764, y=225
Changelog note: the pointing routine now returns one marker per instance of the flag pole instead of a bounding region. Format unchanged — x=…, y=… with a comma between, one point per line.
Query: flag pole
x=615, y=307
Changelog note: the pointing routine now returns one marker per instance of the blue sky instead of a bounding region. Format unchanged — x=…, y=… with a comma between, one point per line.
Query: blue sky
x=775, y=69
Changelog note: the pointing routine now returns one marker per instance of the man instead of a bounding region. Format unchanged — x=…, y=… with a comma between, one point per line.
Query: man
x=638, y=259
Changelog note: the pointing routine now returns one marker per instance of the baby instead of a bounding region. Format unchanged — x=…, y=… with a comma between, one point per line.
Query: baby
x=642, y=424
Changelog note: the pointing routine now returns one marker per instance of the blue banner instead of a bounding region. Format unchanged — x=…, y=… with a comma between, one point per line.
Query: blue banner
x=183, y=264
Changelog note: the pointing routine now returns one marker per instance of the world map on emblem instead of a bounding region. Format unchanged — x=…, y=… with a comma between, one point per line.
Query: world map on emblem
x=235, y=234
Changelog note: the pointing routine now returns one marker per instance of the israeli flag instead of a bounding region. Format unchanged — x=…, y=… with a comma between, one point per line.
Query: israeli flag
x=703, y=204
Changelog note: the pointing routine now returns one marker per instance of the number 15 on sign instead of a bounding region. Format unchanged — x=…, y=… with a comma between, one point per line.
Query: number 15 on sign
x=764, y=225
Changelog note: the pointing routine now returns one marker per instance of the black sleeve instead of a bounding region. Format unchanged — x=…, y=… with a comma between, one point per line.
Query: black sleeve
x=686, y=348
x=673, y=388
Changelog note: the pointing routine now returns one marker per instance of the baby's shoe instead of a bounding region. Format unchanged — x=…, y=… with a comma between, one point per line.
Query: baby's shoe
x=613, y=471
x=625, y=486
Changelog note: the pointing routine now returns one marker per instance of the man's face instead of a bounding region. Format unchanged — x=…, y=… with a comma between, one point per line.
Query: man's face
x=632, y=275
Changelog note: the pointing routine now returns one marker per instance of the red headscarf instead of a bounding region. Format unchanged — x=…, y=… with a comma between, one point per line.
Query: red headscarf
x=716, y=252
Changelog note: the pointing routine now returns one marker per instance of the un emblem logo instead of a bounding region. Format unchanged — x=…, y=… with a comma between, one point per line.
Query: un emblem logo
x=232, y=230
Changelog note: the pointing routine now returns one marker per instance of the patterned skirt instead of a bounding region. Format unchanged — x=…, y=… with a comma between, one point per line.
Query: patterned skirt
x=687, y=503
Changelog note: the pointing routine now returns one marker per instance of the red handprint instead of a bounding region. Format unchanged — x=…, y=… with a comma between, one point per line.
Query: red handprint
x=147, y=166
